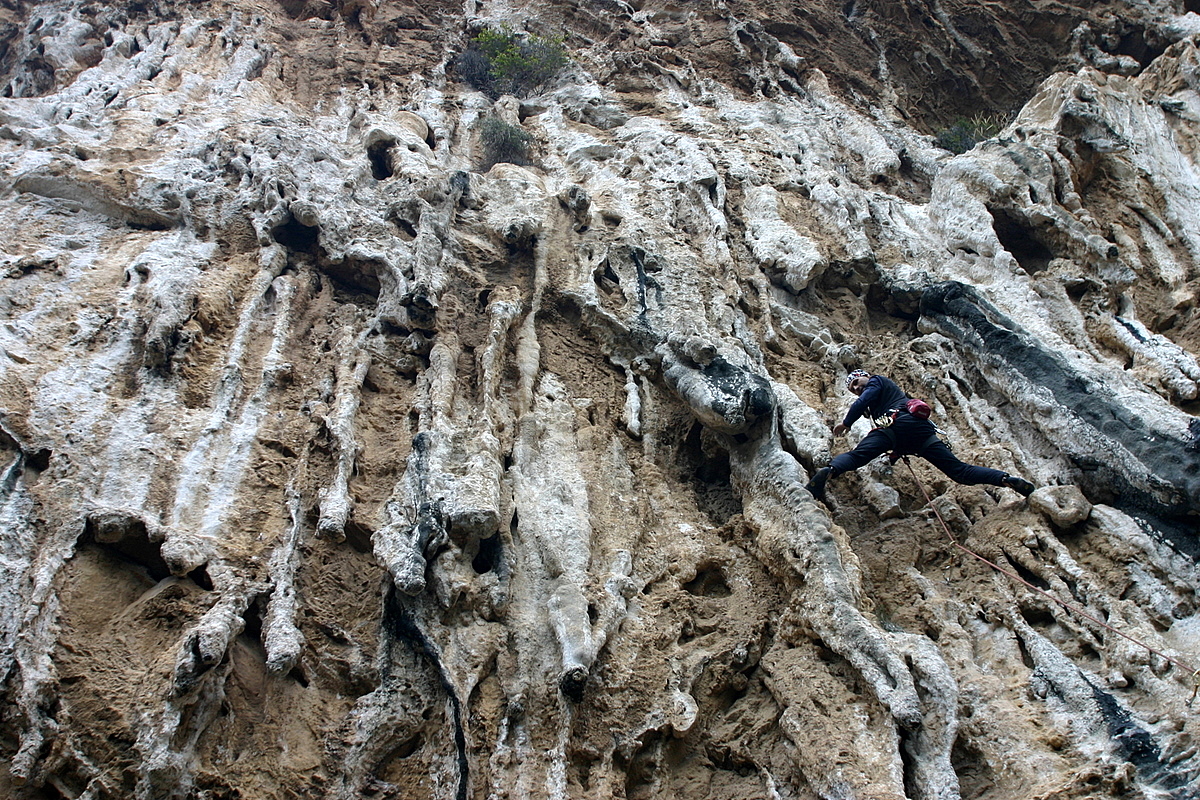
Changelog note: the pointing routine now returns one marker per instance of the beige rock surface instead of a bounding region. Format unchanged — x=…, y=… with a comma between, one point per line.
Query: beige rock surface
x=335, y=465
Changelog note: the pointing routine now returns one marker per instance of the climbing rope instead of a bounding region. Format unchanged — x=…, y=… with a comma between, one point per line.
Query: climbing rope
x=1195, y=673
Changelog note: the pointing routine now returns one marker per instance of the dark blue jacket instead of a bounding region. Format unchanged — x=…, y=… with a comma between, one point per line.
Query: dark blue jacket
x=880, y=397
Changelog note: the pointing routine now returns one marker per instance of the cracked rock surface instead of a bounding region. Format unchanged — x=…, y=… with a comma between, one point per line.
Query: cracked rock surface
x=337, y=461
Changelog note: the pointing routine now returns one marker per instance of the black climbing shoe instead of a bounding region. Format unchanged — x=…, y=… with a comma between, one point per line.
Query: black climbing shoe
x=1018, y=485
x=817, y=485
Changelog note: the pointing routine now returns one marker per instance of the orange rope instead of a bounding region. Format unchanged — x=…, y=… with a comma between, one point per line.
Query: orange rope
x=1069, y=606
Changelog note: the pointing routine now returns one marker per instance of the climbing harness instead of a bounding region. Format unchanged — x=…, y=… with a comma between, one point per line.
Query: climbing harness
x=1195, y=673
x=914, y=407
x=895, y=455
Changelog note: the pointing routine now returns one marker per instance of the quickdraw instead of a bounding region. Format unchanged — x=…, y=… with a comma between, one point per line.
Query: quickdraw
x=886, y=420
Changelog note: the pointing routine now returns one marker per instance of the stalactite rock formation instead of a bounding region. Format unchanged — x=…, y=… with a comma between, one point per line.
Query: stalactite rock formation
x=343, y=455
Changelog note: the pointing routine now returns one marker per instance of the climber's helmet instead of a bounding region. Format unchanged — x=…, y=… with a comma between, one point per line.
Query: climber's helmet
x=856, y=381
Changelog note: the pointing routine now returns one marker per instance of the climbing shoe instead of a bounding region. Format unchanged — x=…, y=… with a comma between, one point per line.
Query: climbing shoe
x=817, y=485
x=1018, y=485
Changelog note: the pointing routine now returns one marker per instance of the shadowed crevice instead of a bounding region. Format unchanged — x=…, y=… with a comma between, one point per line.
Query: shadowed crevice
x=400, y=623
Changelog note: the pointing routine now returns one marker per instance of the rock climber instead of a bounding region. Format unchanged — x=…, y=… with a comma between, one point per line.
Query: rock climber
x=904, y=434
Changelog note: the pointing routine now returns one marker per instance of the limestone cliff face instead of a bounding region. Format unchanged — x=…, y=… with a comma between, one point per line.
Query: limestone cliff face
x=336, y=462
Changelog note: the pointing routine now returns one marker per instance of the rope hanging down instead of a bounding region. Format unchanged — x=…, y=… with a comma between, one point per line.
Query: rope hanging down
x=1195, y=673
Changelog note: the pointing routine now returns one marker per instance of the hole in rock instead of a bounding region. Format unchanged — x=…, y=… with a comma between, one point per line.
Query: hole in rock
x=1087, y=652
x=200, y=577
x=393, y=769
x=909, y=774
x=297, y=674
x=252, y=619
x=1134, y=44
x=149, y=222
x=488, y=556
x=38, y=461
x=422, y=308
x=379, y=154
x=297, y=236
x=1038, y=617
x=606, y=279
x=1026, y=658
x=706, y=467
x=975, y=776
x=824, y=653
x=353, y=281
x=56, y=789
x=1028, y=574
x=358, y=536
x=126, y=537
x=728, y=696
x=728, y=759
x=409, y=746
x=1024, y=244
x=709, y=582
x=408, y=231
x=893, y=301
x=303, y=9
x=8, y=443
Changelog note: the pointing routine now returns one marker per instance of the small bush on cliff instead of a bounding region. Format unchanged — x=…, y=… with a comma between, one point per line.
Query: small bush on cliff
x=502, y=62
x=966, y=133
x=504, y=143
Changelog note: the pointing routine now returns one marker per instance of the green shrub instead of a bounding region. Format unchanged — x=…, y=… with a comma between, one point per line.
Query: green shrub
x=504, y=143
x=966, y=133
x=502, y=62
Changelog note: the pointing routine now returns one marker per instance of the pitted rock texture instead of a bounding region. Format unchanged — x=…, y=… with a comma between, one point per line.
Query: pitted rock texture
x=335, y=465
